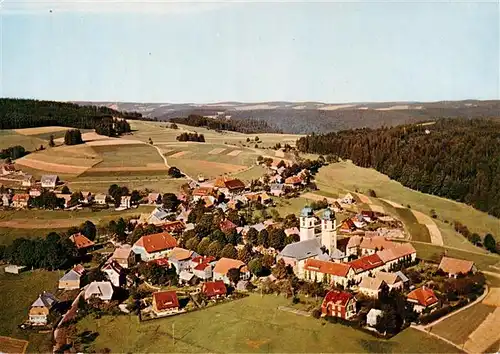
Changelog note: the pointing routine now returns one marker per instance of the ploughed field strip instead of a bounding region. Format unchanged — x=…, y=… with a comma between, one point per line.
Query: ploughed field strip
x=12, y=345
x=216, y=151
x=234, y=153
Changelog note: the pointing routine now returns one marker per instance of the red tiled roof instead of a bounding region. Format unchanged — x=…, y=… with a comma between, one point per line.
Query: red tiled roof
x=23, y=197
x=203, y=191
x=348, y=224
x=224, y=264
x=157, y=242
x=201, y=266
x=293, y=180
x=366, y=263
x=81, y=241
x=325, y=267
x=424, y=296
x=399, y=250
x=227, y=225
x=162, y=262
x=337, y=297
x=203, y=259
x=376, y=242
x=213, y=288
x=166, y=300
x=455, y=266
x=79, y=269
x=234, y=184
x=174, y=226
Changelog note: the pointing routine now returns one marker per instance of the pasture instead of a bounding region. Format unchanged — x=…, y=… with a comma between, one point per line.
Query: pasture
x=17, y=293
x=125, y=156
x=11, y=138
x=252, y=324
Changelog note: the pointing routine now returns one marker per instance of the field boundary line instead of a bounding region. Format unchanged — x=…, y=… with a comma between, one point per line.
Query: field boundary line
x=440, y=338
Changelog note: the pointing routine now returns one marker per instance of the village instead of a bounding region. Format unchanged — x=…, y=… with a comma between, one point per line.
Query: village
x=204, y=246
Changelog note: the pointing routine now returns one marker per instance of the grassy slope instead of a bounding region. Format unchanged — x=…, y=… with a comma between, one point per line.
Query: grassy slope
x=11, y=138
x=17, y=293
x=127, y=155
x=253, y=324
x=342, y=177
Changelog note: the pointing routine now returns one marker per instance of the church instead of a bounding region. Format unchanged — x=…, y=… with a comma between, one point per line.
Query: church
x=318, y=240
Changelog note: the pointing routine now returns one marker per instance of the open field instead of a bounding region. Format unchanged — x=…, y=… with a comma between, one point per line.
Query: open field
x=40, y=130
x=17, y=293
x=153, y=180
x=253, y=324
x=209, y=169
x=342, y=177
x=254, y=172
x=12, y=345
x=127, y=155
x=10, y=138
x=457, y=328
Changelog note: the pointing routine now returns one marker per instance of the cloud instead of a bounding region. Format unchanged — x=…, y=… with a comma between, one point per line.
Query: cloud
x=107, y=6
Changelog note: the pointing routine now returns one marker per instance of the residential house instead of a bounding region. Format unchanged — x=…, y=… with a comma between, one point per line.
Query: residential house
x=202, y=267
x=180, y=258
x=339, y=303
x=372, y=317
x=265, y=198
x=87, y=197
x=125, y=202
x=371, y=287
x=348, y=199
x=114, y=273
x=454, y=266
x=366, y=265
x=294, y=182
x=201, y=192
x=154, y=198
x=227, y=226
x=214, y=289
x=6, y=199
x=158, y=216
x=154, y=246
x=331, y=272
x=186, y=278
x=347, y=226
x=20, y=200
x=209, y=201
x=49, y=181
x=404, y=279
x=295, y=254
x=422, y=298
x=165, y=303
x=174, y=227
x=100, y=199
x=28, y=181
x=124, y=256
x=232, y=187
x=81, y=242
x=392, y=280
x=352, y=248
x=72, y=279
x=66, y=198
x=277, y=189
x=359, y=221
x=292, y=231
x=40, y=309
x=223, y=266
x=369, y=215
x=102, y=290
x=35, y=192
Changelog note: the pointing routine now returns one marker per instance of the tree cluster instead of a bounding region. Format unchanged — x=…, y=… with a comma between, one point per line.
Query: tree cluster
x=117, y=192
x=13, y=152
x=46, y=200
x=246, y=126
x=52, y=252
x=191, y=137
x=73, y=137
x=458, y=159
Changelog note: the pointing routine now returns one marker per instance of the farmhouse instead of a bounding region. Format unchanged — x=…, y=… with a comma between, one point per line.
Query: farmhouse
x=223, y=266
x=348, y=199
x=339, y=303
x=114, y=273
x=124, y=256
x=277, y=189
x=393, y=280
x=180, y=258
x=294, y=181
x=81, y=242
x=165, y=303
x=422, y=298
x=175, y=227
x=214, y=289
x=40, y=309
x=125, y=202
x=454, y=266
x=158, y=216
x=102, y=290
x=154, y=246
x=348, y=226
x=202, y=267
x=72, y=279
x=400, y=252
x=49, y=181
x=335, y=273
x=20, y=200
x=100, y=199
x=232, y=187
x=200, y=192
x=27, y=181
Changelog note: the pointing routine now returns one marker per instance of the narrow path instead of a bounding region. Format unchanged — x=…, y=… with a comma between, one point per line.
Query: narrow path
x=161, y=155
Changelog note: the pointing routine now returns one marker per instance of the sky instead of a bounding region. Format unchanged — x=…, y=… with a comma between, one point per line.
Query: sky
x=202, y=52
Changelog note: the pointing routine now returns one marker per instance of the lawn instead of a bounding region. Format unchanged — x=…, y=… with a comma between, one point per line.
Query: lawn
x=434, y=253
x=17, y=294
x=458, y=327
x=253, y=324
x=128, y=156
x=345, y=176
x=418, y=232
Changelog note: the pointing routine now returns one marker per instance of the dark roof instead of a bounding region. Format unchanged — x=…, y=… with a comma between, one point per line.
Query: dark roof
x=234, y=184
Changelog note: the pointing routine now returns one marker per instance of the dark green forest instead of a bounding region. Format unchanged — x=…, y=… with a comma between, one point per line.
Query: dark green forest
x=22, y=113
x=247, y=126
x=457, y=159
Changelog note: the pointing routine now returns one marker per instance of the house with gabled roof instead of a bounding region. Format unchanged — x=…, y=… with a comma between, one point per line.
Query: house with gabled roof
x=214, y=289
x=398, y=253
x=165, y=303
x=154, y=246
x=158, y=216
x=295, y=254
x=232, y=187
x=28, y=181
x=294, y=181
x=422, y=298
x=371, y=287
x=393, y=280
x=20, y=200
x=334, y=273
x=347, y=226
x=454, y=266
x=82, y=243
x=40, y=309
x=49, y=181
x=227, y=225
x=201, y=192
x=348, y=199
x=102, y=290
x=338, y=303
x=100, y=199
x=114, y=273
x=366, y=265
x=277, y=189
x=223, y=266
x=154, y=198
x=124, y=256
x=370, y=245
x=180, y=258
x=72, y=279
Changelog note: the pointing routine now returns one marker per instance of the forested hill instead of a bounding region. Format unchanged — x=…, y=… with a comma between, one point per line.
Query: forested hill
x=22, y=113
x=457, y=159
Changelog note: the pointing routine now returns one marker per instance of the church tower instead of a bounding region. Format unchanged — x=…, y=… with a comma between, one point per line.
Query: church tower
x=307, y=224
x=328, y=232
